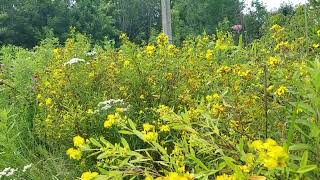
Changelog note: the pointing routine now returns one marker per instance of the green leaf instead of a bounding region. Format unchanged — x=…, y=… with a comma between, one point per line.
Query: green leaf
x=125, y=143
x=132, y=124
x=307, y=168
x=304, y=159
x=199, y=162
x=125, y=132
x=298, y=147
x=95, y=142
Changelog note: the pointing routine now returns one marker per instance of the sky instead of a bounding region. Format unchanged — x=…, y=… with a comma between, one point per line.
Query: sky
x=274, y=4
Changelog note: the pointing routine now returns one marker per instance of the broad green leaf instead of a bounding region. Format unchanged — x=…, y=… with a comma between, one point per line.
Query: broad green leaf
x=307, y=168
x=95, y=142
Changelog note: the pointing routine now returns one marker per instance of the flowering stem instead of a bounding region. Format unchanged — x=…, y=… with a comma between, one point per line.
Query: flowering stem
x=266, y=100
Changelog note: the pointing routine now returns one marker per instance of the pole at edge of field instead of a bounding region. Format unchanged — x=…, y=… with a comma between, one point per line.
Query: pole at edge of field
x=166, y=19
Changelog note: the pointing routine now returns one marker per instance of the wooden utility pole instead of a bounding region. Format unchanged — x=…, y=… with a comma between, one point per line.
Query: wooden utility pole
x=166, y=19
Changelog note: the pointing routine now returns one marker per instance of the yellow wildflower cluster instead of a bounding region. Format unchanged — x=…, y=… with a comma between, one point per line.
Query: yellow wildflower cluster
x=179, y=158
x=57, y=53
x=111, y=120
x=162, y=40
x=172, y=49
x=226, y=177
x=209, y=54
x=217, y=109
x=274, y=60
x=283, y=46
x=271, y=155
x=123, y=37
x=224, y=69
x=150, y=49
x=164, y=111
x=281, y=91
x=165, y=128
x=89, y=175
x=78, y=141
x=243, y=73
x=277, y=32
x=277, y=28
x=212, y=97
x=74, y=153
x=149, y=132
x=177, y=176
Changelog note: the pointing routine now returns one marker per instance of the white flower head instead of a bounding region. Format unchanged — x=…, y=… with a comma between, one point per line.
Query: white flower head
x=91, y=53
x=74, y=61
x=105, y=105
x=26, y=167
x=8, y=172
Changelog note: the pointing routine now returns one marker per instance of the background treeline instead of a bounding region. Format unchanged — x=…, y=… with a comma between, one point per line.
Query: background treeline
x=25, y=23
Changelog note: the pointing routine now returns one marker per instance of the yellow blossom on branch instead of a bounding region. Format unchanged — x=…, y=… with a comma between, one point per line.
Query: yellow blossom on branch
x=78, y=141
x=74, y=153
x=89, y=175
x=281, y=91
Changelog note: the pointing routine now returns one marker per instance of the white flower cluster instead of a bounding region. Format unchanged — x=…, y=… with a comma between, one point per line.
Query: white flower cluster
x=74, y=61
x=91, y=53
x=105, y=105
x=11, y=171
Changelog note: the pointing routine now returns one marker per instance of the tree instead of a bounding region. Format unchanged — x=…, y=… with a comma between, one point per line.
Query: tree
x=137, y=18
x=26, y=22
x=93, y=18
x=191, y=17
x=255, y=20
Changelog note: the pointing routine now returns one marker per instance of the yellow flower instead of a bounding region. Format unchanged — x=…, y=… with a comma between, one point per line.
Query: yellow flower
x=48, y=102
x=89, y=175
x=150, y=136
x=162, y=39
x=111, y=120
x=91, y=75
x=243, y=73
x=123, y=37
x=276, y=151
x=126, y=63
x=164, y=128
x=74, y=153
x=274, y=60
x=299, y=110
x=177, y=176
x=270, y=163
x=150, y=49
x=90, y=111
x=119, y=110
x=141, y=96
x=78, y=141
x=282, y=46
x=39, y=97
x=277, y=28
x=245, y=168
x=224, y=69
x=148, y=178
x=171, y=49
x=226, y=177
x=269, y=143
x=217, y=109
x=257, y=144
x=270, y=88
x=147, y=127
x=209, y=54
x=281, y=91
x=316, y=46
